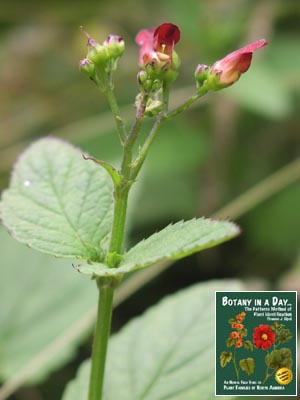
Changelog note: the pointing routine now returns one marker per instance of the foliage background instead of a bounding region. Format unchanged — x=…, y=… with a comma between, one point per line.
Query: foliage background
x=201, y=161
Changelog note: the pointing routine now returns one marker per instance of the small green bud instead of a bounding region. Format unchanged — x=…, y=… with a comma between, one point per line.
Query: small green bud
x=153, y=107
x=115, y=46
x=88, y=68
x=142, y=77
x=201, y=74
x=97, y=53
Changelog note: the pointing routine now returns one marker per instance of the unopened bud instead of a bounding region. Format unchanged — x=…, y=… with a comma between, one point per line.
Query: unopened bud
x=201, y=73
x=153, y=107
x=115, y=46
x=97, y=53
x=142, y=77
x=88, y=68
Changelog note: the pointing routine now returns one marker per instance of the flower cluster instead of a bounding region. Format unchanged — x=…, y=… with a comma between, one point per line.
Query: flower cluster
x=101, y=57
x=263, y=336
x=236, y=337
x=159, y=63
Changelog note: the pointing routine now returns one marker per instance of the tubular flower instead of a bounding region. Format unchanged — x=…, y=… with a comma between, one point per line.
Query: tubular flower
x=230, y=68
x=157, y=45
x=263, y=336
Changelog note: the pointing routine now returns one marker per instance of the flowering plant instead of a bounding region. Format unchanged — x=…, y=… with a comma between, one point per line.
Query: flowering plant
x=266, y=336
x=235, y=339
x=66, y=205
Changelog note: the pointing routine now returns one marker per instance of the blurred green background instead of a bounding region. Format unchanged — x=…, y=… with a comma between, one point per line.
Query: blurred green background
x=207, y=157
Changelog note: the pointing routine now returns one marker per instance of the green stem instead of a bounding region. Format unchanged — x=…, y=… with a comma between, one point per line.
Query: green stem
x=137, y=165
x=105, y=303
x=106, y=286
x=101, y=336
x=112, y=101
x=201, y=92
x=119, y=219
x=234, y=363
x=128, y=173
x=132, y=136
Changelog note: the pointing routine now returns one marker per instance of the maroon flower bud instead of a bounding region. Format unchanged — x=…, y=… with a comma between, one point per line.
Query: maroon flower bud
x=229, y=69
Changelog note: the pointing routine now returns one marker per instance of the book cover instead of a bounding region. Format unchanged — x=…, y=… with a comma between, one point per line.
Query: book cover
x=256, y=343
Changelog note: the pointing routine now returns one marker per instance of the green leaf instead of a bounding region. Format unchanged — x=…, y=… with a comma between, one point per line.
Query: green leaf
x=279, y=358
x=173, y=242
x=167, y=353
x=230, y=342
x=283, y=335
x=225, y=358
x=247, y=365
x=44, y=306
x=248, y=345
x=57, y=202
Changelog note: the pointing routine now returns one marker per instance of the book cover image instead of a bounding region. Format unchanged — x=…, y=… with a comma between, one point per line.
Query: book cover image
x=256, y=343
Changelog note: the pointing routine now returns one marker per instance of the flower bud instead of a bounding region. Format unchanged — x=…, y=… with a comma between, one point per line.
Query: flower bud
x=157, y=55
x=105, y=55
x=97, y=53
x=87, y=67
x=153, y=107
x=115, y=46
x=201, y=74
x=142, y=77
x=228, y=70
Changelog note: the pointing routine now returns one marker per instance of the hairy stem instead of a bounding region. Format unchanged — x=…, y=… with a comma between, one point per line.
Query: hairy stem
x=100, y=342
x=128, y=173
x=105, y=304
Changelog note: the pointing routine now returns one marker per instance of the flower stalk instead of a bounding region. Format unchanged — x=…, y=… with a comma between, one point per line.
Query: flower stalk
x=159, y=64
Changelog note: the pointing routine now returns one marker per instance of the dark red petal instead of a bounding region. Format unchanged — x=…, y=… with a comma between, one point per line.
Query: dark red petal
x=167, y=33
x=244, y=62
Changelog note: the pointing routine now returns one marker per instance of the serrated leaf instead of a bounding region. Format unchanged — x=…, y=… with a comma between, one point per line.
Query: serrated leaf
x=225, y=358
x=167, y=353
x=42, y=305
x=279, y=358
x=57, y=202
x=247, y=365
x=248, y=345
x=230, y=342
x=173, y=242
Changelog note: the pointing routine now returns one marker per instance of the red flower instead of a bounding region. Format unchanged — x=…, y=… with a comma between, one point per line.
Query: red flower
x=263, y=336
x=156, y=45
x=230, y=68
